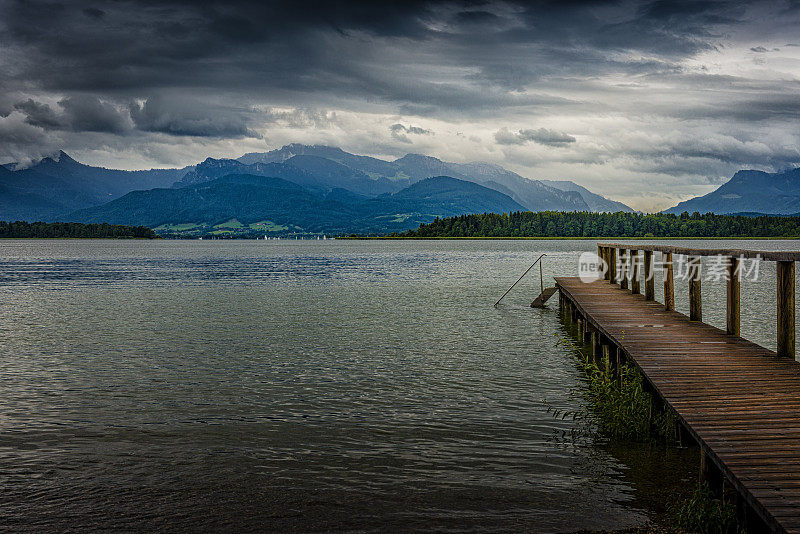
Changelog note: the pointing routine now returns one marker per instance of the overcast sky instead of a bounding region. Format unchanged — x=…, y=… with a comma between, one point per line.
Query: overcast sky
x=645, y=102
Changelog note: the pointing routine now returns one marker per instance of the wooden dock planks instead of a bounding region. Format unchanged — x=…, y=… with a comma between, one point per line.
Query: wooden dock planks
x=740, y=401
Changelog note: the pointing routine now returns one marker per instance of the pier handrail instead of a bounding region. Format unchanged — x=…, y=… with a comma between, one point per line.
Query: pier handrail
x=630, y=263
x=770, y=255
x=541, y=280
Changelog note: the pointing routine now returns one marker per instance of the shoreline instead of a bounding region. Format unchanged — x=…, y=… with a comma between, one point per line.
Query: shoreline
x=571, y=238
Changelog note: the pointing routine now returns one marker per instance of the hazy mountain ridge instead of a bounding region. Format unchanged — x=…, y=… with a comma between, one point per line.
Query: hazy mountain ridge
x=534, y=195
x=250, y=198
x=372, y=166
x=57, y=186
x=313, y=172
x=749, y=191
x=595, y=202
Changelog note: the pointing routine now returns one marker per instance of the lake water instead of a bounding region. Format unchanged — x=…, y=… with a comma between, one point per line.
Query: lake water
x=311, y=386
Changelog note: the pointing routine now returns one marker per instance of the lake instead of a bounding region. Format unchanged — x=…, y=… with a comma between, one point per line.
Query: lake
x=312, y=386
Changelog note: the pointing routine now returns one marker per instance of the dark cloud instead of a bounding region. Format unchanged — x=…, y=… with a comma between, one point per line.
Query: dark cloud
x=136, y=45
x=80, y=113
x=38, y=114
x=94, y=13
x=189, y=117
x=90, y=114
x=759, y=49
x=542, y=136
x=475, y=17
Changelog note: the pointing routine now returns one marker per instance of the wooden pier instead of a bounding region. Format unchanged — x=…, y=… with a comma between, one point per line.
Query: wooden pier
x=738, y=401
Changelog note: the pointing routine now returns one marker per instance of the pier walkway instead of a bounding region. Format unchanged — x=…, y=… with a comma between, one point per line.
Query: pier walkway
x=739, y=401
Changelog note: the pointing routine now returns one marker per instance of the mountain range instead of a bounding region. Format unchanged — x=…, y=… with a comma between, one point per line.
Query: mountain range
x=314, y=188
x=253, y=200
x=345, y=192
x=58, y=185
x=750, y=192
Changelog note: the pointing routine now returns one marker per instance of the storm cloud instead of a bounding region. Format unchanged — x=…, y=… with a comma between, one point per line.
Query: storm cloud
x=647, y=101
x=543, y=136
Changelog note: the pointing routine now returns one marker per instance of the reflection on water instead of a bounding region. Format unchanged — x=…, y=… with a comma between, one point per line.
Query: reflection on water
x=301, y=386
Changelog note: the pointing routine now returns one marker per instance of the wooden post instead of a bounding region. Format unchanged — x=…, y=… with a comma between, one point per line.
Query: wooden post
x=607, y=274
x=649, y=279
x=607, y=362
x=704, y=471
x=786, y=309
x=695, y=297
x=612, y=264
x=734, y=322
x=635, y=287
x=600, y=256
x=669, y=282
x=595, y=345
x=623, y=275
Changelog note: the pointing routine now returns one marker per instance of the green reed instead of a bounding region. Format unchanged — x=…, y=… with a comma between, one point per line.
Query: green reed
x=618, y=403
x=704, y=513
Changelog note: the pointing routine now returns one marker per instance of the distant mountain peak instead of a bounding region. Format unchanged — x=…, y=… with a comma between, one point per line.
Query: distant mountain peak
x=58, y=157
x=209, y=162
x=412, y=156
x=749, y=191
x=280, y=155
x=303, y=147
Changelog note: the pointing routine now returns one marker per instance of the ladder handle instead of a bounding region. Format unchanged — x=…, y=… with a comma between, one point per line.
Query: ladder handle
x=523, y=276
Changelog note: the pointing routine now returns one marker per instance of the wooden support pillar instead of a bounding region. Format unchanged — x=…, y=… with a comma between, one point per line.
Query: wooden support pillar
x=682, y=436
x=600, y=259
x=711, y=475
x=612, y=264
x=704, y=474
x=734, y=322
x=786, y=309
x=649, y=278
x=606, y=359
x=695, y=297
x=669, y=281
x=623, y=275
x=607, y=273
x=580, y=329
x=635, y=287
x=595, y=346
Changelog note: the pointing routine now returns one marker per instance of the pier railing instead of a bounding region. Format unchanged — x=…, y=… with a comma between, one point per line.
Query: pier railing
x=629, y=263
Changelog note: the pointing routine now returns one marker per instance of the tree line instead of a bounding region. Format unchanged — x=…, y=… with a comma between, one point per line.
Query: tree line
x=619, y=224
x=22, y=229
